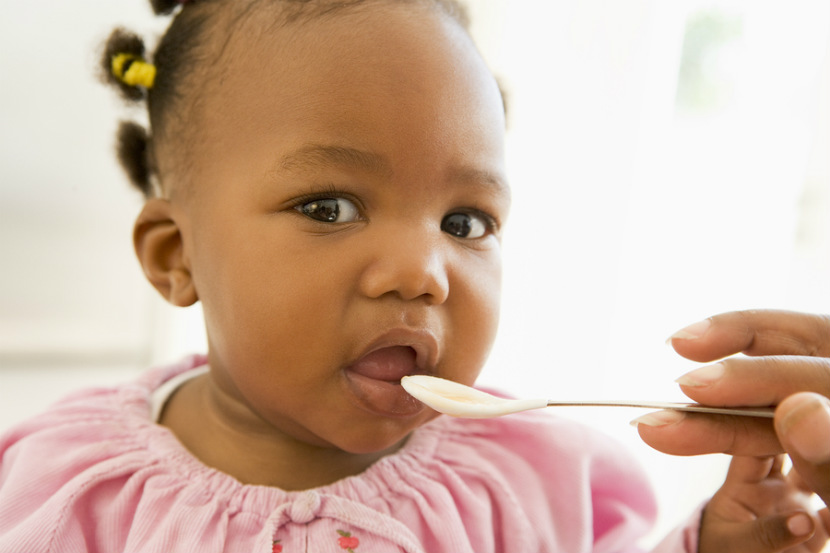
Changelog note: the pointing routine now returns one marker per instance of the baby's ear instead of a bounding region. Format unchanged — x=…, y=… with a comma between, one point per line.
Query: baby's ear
x=159, y=246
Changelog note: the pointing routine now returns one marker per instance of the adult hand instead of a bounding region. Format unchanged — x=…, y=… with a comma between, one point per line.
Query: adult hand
x=788, y=366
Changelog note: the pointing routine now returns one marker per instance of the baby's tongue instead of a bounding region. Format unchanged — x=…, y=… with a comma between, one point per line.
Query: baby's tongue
x=390, y=364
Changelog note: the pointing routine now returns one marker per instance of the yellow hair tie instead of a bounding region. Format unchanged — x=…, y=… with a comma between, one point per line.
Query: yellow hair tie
x=138, y=73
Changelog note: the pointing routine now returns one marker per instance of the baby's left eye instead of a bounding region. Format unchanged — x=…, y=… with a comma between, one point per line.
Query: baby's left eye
x=465, y=225
x=330, y=210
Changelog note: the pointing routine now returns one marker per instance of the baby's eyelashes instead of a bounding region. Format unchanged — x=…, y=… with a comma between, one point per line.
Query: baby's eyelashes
x=330, y=210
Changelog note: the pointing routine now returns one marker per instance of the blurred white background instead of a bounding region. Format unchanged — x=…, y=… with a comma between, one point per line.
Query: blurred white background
x=670, y=160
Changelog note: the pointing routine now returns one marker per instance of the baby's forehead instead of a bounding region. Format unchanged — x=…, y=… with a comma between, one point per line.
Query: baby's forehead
x=316, y=42
x=416, y=92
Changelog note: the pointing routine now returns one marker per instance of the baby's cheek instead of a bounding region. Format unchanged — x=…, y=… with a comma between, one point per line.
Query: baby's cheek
x=480, y=321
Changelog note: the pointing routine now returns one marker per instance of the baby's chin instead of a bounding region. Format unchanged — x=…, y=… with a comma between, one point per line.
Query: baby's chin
x=380, y=442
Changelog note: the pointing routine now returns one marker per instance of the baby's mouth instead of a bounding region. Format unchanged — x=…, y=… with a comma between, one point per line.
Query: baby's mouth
x=388, y=364
x=374, y=380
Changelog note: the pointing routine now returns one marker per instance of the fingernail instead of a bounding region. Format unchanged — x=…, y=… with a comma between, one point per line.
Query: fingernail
x=691, y=332
x=704, y=376
x=659, y=418
x=807, y=428
x=800, y=524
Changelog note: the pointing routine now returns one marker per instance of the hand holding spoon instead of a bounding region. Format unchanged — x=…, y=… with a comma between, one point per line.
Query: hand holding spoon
x=458, y=400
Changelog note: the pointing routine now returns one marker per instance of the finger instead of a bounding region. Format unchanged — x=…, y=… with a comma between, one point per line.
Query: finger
x=777, y=468
x=795, y=479
x=763, y=535
x=802, y=423
x=820, y=538
x=695, y=434
x=755, y=332
x=756, y=381
x=751, y=470
x=824, y=517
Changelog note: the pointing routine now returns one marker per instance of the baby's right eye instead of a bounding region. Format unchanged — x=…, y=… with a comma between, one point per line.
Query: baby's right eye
x=330, y=210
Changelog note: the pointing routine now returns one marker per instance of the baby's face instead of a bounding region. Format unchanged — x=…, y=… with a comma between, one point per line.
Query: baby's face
x=344, y=225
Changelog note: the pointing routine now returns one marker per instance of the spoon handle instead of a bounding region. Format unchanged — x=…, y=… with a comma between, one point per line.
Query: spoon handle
x=764, y=412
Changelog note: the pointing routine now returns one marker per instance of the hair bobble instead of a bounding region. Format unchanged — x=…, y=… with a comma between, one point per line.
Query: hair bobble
x=133, y=70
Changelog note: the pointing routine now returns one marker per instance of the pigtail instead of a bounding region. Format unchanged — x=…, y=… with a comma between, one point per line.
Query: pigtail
x=123, y=65
x=132, y=149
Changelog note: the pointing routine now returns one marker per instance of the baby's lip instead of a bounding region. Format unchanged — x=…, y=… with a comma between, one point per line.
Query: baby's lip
x=405, y=351
x=374, y=377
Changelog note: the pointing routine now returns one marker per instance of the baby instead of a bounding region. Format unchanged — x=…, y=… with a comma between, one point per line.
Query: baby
x=327, y=178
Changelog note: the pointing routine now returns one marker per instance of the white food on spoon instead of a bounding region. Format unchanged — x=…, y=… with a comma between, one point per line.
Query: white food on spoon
x=458, y=400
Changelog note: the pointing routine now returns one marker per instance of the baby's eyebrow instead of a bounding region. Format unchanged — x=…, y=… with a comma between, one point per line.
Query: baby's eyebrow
x=322, y=155
x=315, y=156
x=493, y=182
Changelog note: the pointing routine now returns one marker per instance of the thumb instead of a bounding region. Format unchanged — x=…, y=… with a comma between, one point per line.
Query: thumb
x=771, y=534
x=802, y=422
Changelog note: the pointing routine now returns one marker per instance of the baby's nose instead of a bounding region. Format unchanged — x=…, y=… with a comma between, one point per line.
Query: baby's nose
x=410, y=265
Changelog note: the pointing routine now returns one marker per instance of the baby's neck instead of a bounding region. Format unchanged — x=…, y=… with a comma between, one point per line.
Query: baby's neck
x=205, y=423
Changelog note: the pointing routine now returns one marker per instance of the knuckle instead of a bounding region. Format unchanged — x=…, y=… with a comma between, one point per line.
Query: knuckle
x=819, y=346
x=769, y=535
x=725, y=438
x=748, y=436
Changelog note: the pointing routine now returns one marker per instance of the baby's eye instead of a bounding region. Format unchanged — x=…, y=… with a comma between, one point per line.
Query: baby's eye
x=330, y=210
x=465, y=225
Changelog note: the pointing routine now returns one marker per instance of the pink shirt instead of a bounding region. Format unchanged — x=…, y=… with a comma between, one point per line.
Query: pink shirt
x=96, y=474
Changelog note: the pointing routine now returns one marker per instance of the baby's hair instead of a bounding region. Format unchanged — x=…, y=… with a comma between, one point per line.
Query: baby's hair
x=165, y=7
x=180, y=58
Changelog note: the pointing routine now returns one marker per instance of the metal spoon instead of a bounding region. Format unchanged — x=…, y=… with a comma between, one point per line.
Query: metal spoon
x=458, y=400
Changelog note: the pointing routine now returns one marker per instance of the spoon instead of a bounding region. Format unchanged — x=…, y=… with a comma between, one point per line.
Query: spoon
x=458, y=400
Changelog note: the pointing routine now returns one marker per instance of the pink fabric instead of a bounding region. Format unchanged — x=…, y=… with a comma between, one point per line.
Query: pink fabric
x=94, y=474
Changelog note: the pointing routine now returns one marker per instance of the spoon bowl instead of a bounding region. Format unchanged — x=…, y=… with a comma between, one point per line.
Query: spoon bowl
x=458, y=400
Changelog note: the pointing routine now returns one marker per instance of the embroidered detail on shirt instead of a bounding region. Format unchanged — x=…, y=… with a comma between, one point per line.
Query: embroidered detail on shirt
x=347, y=541
x=276, y=547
